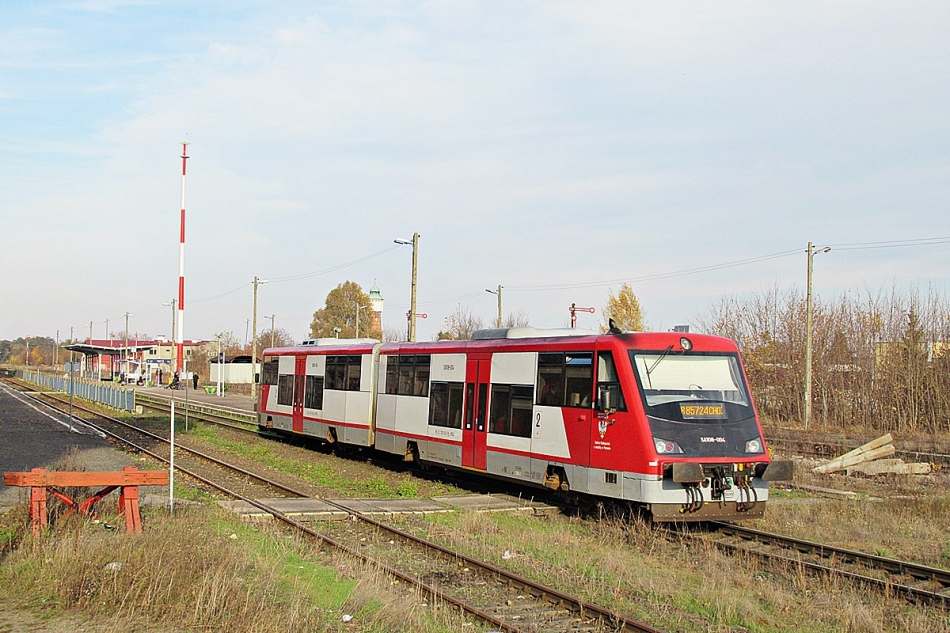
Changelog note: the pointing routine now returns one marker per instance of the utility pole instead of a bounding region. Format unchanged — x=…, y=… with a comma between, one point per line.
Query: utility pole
x=56, y=352
x=412, y=302
x=415, y=267
x=358, y=308
x=257, y=282
x=497, y=292
x=272, y=317
x=808, y=330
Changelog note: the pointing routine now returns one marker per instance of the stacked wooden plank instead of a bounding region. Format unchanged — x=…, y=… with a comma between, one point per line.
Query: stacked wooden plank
x=868, y=459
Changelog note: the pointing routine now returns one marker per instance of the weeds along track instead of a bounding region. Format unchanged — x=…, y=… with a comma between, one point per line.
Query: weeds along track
x=917, y=583
x=501, y=599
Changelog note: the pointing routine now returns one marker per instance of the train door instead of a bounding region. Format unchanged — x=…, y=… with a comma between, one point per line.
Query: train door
x=300, y=381
x=474, y=426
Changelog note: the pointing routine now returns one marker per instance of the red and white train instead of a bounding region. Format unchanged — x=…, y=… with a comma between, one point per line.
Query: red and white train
x=664, y=420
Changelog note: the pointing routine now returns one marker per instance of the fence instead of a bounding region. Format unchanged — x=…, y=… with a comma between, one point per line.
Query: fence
x=103, y=393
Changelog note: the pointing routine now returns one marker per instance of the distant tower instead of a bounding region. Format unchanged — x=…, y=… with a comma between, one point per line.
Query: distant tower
x=376, y=300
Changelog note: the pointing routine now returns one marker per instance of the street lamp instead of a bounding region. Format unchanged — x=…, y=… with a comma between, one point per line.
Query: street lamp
x=497, y=292
x=412, y=301
x=808, y=327
x=173, y=303
x=257, y=282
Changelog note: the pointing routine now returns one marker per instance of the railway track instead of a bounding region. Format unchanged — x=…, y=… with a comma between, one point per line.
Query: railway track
x=918, y=583
x=501, y=599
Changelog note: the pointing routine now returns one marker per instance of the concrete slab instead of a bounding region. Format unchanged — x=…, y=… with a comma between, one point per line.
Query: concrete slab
x=393, y=507
x=301, y=509
x=329, y=510
x=496, y=503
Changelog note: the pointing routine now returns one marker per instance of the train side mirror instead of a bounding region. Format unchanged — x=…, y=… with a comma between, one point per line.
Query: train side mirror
x=604, y=402
x=257, y=378
x=779, y=471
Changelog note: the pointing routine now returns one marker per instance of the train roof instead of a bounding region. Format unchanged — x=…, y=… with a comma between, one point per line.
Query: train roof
x=518, y=339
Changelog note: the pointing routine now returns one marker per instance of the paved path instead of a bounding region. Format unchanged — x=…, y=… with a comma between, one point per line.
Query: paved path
x=32, y=436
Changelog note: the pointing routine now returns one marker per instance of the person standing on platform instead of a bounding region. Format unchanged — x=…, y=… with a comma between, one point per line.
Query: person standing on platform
x=194, y=379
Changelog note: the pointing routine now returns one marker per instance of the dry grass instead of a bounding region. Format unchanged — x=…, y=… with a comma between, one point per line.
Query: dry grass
x=201, y=571
x=681, y=586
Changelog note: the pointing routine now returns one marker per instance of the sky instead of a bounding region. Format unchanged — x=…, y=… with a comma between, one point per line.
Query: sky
x=691, y=149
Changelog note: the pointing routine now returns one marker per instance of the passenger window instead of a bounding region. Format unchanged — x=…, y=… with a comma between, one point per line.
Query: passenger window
x=565, y=380
x=445, y=404
x=285, y=389
x=511, y=410
x=313, y=398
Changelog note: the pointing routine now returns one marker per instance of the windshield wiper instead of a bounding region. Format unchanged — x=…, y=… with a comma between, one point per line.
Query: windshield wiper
x=657, y=361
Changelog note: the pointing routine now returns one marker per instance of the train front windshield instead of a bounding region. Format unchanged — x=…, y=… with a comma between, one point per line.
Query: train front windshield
x=697, y=403
x=668, y=379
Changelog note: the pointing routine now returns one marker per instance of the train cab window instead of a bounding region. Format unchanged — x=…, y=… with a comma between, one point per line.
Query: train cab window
x=313, y=395
x=445, y=404
x=285, y=389
x=609, y=393
x=269, y=371
x=511, y=410
x=565, y=380
x=408, y=375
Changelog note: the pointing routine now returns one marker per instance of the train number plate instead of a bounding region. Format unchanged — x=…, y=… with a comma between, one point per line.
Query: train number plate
x=703, y=411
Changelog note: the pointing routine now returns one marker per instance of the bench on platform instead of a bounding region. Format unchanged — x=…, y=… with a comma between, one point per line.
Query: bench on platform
x=40, y=481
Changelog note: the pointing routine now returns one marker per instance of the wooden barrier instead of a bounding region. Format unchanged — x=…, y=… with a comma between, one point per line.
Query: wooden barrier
x=40, y=481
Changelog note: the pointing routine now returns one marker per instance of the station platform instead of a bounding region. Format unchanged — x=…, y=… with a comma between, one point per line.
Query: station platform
x=199, y=395
x=340, y=509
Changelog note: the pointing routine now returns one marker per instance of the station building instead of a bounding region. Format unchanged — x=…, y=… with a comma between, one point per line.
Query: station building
x=107, y=359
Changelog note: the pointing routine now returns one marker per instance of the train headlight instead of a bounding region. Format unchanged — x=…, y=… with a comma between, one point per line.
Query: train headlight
x=753, y=446
x=686, y=344
x=665, y=447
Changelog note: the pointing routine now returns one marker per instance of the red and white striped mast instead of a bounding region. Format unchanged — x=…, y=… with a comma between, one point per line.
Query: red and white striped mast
x=181, y=268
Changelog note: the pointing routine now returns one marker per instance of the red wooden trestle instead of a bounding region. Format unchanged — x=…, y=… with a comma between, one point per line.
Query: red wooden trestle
x=40, y=481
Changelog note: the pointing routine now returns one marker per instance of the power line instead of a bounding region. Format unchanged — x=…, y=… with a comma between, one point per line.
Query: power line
x=277, y=280
x=668, y=275
x=923, y=241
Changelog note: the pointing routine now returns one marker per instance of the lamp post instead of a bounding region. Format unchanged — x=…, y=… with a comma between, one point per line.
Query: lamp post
x=173, y=303
x=415, y=266
x=358, y=308
x=126, y=349
x=257, y=282
x=497, y=292
x=272, y=326
x=808, y=333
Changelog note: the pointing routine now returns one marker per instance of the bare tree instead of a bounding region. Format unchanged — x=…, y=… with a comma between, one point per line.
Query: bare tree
x=517, y=320
x=460, y=324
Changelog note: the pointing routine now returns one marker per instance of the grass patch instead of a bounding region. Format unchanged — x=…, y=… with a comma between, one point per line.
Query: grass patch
x=202, y=570
x=319, y=474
